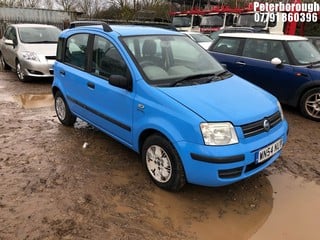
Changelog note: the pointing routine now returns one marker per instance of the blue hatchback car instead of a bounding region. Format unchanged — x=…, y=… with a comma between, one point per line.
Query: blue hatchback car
x=286, y=66
x=162, y=95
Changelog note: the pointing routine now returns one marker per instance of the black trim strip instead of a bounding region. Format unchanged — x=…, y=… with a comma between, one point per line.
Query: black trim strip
x=231, y=159
x=125, y=127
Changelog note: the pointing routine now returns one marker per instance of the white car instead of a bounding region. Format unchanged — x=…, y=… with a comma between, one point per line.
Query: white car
x=29, y=49
x=203, y=40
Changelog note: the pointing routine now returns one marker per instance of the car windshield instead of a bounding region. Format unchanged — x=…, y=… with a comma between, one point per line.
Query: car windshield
x=168, y=59
x=39, y=34
x=248, y=20
x=212, y=20
x=304, y=52
x=181, y=21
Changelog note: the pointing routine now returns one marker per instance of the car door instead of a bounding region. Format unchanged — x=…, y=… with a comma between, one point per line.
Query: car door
x=9, y=50
x=88, y=91
x=112, y=106
x=255, y=66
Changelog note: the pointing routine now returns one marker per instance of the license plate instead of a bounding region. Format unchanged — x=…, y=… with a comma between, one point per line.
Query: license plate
x=269, y=151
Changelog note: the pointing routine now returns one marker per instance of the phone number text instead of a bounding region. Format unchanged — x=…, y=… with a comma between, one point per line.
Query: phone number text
x=261, y=17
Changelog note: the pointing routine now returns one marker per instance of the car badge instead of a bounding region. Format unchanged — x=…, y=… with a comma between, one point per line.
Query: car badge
x=266, y=125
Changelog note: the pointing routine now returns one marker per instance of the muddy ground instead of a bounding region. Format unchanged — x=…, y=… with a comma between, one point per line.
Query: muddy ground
x=53, y=188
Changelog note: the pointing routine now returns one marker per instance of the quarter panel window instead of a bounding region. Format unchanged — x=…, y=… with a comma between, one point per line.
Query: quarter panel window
x=75, y=53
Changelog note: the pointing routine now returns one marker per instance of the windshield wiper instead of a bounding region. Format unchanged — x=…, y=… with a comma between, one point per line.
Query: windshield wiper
x=312, y=64
x=204, y=77
x=220, y=76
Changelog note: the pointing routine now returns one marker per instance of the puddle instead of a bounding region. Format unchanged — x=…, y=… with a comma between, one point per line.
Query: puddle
x=296, y=210
x=36, y=100
x=275, y=207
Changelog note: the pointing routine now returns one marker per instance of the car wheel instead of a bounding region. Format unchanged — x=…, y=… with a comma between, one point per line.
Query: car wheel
x=310, y=104
x=3, y=64
x=63, y=112
x=20, y=73
x=163, y=163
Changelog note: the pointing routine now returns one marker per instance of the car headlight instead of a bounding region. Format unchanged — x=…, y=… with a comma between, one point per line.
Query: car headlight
x=30, y=56
x=218, y=133
x=280, y=110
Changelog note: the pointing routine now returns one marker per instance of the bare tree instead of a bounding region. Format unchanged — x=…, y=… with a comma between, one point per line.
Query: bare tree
x=7, y=3
x=91, y=7
x=31, y=3
x=67, y=5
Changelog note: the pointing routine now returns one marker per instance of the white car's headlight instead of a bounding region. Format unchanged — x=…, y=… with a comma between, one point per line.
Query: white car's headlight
x=218, y=133
x=280, y=110
x=30, y=56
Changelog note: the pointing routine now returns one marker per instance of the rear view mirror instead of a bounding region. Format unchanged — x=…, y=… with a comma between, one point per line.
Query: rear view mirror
x=276, y=61
x=121, y=82
x=8, y=42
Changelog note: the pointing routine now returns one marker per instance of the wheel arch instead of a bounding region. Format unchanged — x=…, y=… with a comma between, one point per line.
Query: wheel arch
x=295, y=101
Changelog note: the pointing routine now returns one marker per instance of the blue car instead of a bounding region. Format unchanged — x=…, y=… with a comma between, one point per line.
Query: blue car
x=286, y=66
x=162, y=95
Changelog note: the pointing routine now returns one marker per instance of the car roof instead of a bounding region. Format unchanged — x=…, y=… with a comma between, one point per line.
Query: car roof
x=267, y=36
x=129, y=30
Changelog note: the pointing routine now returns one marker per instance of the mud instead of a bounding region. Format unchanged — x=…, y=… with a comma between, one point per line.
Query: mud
x=77, y=183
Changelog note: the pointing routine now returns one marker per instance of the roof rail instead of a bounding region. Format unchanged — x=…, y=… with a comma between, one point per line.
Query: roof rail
x=106, y=27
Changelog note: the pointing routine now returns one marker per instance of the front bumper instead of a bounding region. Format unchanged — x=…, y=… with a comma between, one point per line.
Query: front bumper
x=223, y=165
x=35, y=69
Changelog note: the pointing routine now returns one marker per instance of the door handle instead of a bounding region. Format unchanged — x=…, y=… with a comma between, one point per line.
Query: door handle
x=91, y=85
x=241, y=63
x=62, y=72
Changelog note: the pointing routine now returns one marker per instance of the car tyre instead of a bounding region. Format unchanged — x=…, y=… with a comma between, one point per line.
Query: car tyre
x=163, y=163
x=310, y=104
x=3, y=64
x=62, y=109
x=20, y=73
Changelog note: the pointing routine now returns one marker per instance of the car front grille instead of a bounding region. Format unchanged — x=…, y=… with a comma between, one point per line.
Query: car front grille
x=258, y=127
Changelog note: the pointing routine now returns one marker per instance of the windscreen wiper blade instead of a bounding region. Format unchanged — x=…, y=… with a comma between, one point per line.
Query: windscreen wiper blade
x=192, y=78
x=312, y=64
x=204, y=78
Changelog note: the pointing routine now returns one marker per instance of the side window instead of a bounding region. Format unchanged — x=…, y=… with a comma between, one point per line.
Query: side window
x=76, y=50
x=267, y=49
x=277, y=50
x=227, y=46
x=256, y=48
x=106, y=60
x=229, y=20
x=11, y=34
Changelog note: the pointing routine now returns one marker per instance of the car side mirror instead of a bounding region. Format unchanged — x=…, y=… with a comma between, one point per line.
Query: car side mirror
x=8, y=42
x=121, y=82
x=223, y=65
x=276, y=61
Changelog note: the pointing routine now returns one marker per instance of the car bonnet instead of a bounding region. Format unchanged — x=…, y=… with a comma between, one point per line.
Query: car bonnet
x=47, y=49
x=234, y=100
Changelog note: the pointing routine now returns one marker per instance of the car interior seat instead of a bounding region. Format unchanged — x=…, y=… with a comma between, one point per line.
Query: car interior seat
x=149, y=50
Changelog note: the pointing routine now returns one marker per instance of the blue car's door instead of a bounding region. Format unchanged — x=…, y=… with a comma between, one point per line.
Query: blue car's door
x=89, y=95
